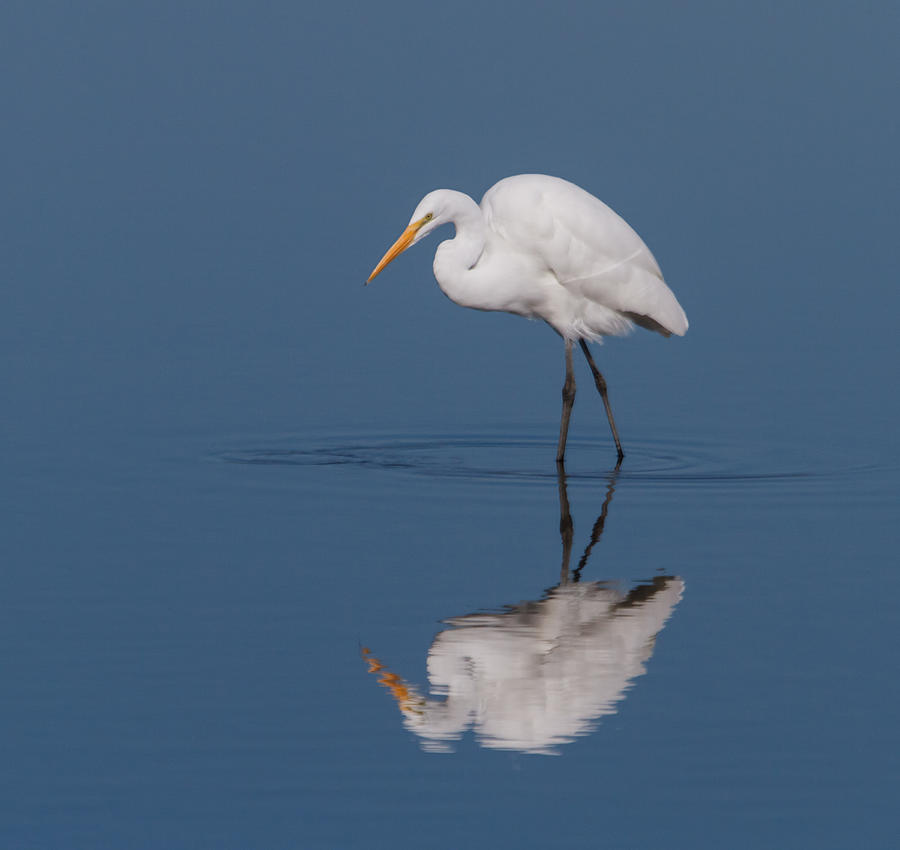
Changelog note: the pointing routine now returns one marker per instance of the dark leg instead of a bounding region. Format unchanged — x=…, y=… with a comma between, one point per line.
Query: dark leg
x=568, y=395
x=565, y=523
x=600, y=381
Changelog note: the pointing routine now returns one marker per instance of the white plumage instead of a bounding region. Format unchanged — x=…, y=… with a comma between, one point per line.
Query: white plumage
x=542, y=247
x=602, y=266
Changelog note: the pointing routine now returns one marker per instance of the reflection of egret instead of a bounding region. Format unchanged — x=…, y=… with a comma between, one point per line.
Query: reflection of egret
x=543, y=248
x=537, y=674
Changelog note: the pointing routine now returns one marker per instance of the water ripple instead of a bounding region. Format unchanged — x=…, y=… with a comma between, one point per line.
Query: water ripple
x=522, y=459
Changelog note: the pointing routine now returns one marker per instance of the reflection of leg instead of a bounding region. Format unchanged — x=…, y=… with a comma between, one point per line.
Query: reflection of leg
x=568, y=395
x=565, y=523
x=597, y=530
x=600, y=381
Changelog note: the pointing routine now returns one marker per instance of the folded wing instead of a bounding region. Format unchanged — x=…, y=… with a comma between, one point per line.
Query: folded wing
x=590, y=249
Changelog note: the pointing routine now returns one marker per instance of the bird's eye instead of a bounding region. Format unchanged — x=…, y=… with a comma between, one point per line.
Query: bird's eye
x=429, y=216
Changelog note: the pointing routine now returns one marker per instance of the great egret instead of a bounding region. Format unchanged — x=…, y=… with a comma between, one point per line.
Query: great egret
x=544, y=248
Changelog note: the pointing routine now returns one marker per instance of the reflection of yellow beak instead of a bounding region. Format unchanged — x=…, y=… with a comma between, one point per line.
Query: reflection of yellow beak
x=408, y=699
x=405, y=240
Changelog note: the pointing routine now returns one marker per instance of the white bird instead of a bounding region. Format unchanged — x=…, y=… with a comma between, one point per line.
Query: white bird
x=544, y=248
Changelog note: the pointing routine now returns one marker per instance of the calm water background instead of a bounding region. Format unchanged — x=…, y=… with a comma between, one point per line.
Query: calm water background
x=226, y=466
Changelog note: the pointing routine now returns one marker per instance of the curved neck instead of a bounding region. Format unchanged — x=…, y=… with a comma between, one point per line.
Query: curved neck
x=456, y=257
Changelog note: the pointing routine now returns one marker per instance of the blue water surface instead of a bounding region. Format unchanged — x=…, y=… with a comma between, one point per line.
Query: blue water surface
x=287, y=562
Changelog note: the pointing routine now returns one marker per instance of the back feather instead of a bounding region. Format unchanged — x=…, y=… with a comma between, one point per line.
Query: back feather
x=590, y=249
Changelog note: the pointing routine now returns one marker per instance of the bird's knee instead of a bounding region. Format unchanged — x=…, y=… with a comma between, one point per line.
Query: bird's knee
x=568, y=392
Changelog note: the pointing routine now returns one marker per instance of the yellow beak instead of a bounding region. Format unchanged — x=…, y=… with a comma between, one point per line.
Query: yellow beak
x=405, y=240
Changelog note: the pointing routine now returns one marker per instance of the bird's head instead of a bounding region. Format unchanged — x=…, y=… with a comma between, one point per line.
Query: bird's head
x=433, y=210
